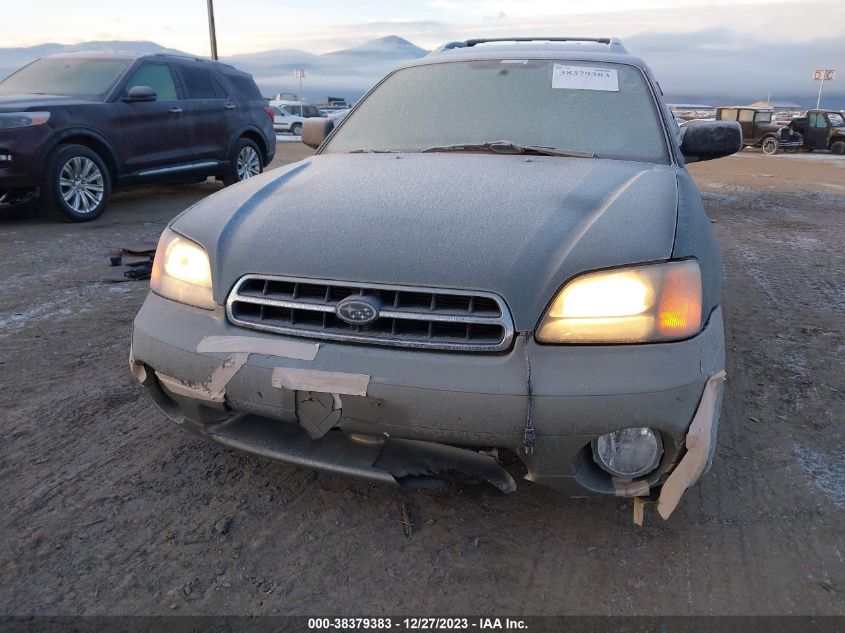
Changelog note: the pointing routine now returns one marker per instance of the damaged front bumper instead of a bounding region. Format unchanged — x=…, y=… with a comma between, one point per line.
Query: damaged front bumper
x=406, y=417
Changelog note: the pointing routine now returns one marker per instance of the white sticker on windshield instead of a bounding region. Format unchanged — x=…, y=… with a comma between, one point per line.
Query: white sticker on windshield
x=585, y=78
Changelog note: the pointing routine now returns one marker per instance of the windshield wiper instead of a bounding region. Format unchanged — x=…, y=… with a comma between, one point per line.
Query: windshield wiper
x=508, y=147
x=373, y=151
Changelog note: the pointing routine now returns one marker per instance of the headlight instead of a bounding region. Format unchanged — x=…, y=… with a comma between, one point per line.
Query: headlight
x=181, y=271
x=628, y=453
x=22, y=119
x=658, y=302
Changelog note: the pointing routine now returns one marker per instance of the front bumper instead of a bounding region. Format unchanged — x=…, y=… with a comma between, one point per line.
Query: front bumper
x=20, y=145
x=423, y=400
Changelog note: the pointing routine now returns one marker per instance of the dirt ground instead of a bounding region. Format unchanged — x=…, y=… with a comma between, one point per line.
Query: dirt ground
x=108, y=508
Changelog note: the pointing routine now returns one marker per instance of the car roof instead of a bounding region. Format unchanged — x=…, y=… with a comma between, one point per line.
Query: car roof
x=745, y=107
x=606, y=49
x=163, y=57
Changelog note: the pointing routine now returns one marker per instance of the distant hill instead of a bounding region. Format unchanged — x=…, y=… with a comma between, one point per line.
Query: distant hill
x=349, y=72
x=692, y=67
x=391, y=46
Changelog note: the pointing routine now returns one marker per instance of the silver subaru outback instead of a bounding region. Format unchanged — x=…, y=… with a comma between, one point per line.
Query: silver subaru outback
x=495, y=265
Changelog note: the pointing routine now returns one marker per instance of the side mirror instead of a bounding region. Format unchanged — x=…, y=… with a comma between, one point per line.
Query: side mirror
x=315, y=130
x=706, y=140
x=140, y=93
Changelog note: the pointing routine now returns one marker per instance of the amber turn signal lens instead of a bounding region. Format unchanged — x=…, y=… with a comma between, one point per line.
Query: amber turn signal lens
x=679, y=315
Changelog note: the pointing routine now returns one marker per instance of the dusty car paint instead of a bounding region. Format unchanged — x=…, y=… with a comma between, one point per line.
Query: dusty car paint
x=452, y=221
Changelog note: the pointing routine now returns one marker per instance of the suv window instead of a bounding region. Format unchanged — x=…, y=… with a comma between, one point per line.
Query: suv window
x=156, y=76
x=199, y=84
x=86, y=78
x=244, y=86
x=599, y=107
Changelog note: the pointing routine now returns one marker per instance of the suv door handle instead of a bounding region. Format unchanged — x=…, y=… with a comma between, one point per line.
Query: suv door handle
x=231, y=106
x=175, y=110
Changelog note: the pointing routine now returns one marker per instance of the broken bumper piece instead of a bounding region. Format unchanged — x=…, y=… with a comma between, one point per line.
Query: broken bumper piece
x=396, y=462
x=407, y=417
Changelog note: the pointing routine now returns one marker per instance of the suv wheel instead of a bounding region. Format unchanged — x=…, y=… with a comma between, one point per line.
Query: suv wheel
x=76, y=184
x=770, y=146
x=838, y=147
x=296, y=129
x=245, y=163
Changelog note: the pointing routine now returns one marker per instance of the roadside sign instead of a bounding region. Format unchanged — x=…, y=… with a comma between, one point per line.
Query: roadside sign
x=822, y=75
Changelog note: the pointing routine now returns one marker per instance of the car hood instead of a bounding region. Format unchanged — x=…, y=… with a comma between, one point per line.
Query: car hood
x=514, y=225
x=22, y=102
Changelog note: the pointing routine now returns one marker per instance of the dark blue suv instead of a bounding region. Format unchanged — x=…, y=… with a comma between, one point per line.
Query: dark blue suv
x=75, y=125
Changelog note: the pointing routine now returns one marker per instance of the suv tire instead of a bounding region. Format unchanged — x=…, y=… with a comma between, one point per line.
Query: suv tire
x=296, y=129
x=76, y=184
x=244, y=163
x=838, y=147
x=770, y=146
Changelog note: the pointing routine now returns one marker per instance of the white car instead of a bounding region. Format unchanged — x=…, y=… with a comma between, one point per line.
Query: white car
x=286, y=122
x=337, y=116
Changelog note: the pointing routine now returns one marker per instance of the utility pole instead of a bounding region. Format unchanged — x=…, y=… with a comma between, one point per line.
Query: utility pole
x=212, y=32
x=819, y=99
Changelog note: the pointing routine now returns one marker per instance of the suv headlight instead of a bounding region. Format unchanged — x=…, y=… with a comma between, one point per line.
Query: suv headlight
x=181, y=271
x=10, y=120
x=639, y=304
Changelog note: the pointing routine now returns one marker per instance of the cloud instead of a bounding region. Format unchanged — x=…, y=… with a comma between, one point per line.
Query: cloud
x=713, y=62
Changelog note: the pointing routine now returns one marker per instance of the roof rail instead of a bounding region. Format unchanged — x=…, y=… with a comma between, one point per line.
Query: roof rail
x=609, y=41
x=189, y=57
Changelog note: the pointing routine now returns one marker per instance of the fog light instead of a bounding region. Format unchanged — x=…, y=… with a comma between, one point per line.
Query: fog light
x=628, y=453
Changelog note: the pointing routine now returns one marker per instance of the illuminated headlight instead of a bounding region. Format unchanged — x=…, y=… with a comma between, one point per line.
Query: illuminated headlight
x=10, y=120
x=628, y=453
x=640, y=304
x=181, y=271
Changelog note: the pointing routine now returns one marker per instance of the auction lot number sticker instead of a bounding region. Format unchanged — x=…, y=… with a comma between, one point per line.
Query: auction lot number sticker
x=584, y=78
x=416, y=624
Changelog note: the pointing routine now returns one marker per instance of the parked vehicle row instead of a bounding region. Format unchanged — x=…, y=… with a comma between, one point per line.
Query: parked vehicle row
x=75, y=125
x=287, y=119
x=817, y=129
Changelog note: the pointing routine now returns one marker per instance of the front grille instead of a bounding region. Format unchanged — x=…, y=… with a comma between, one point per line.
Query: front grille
x=430, y=318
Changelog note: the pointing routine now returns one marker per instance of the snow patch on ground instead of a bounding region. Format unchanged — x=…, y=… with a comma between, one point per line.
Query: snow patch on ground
x=61, y=304
x=812, y=156
x=826, y=472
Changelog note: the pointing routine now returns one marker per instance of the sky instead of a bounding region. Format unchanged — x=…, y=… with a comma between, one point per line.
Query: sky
x=318, y=26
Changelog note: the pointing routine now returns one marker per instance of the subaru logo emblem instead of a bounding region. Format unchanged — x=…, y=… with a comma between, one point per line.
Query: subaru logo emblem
x=358, y=310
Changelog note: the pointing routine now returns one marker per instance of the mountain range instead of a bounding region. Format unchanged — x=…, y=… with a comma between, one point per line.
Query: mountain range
x=702, y=67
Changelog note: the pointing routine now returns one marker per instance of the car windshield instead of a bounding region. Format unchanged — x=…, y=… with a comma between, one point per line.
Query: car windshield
x=85, y=78
x=592, y=107
x=836, y=119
